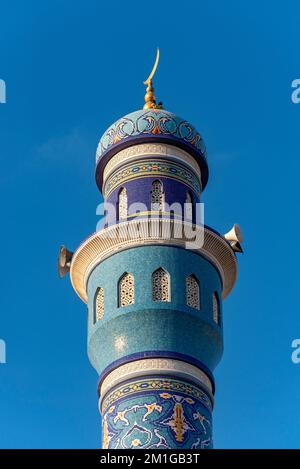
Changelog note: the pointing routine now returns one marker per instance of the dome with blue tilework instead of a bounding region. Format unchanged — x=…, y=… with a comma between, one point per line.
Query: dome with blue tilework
x=151, y=125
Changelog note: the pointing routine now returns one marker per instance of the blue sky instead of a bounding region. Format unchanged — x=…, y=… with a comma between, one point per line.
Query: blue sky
x=71, y=69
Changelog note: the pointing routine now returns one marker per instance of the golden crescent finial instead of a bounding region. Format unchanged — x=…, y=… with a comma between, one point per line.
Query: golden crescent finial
x=146, y=82
x=150, y=100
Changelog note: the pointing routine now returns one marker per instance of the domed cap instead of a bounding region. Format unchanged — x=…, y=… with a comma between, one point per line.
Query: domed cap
x=151, y=125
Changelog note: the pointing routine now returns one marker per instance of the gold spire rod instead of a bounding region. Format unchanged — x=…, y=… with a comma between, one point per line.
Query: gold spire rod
x=146, y=82
x=150, y=100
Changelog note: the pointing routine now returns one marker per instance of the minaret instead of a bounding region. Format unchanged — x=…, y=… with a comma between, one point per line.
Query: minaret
x=154, y=278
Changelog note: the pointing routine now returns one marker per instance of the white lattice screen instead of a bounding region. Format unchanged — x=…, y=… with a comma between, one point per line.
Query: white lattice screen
x=192, y=292
x=99, y=304
x=123, y=204
x=216, y=312
x=126, y=290
x=157, y=196
x=189, y=206
x=160, y=285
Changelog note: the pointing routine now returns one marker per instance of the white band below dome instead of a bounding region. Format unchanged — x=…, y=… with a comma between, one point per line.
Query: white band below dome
x=152, y=366
x=158, y=150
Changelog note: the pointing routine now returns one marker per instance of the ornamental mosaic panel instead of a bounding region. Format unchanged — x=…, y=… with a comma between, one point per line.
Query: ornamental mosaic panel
x=160, y=285
x=99, y=304
x=152, y=168
x=192, y=292
x=150, y=122
x=126, y=290
x=123, y=204
x=215, y=308
x=157, y=412
x=157, y=196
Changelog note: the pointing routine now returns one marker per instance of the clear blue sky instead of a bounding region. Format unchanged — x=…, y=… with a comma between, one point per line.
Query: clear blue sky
x=72, y=68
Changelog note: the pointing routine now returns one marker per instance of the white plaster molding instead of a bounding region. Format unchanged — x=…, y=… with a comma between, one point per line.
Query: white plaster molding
x=144, y=150
x=155, y=366
x=141, y=232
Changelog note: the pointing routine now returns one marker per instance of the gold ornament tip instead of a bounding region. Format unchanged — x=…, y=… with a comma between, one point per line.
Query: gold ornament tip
x=149, y=79
x=150, y=100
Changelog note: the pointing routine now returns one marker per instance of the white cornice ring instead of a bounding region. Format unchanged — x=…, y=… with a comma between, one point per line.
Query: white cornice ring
x=141, y=232
x=155, y=366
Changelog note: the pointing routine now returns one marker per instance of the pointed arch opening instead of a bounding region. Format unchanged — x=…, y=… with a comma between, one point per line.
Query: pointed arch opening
x=192, y=292
x=160, y=285
x=126, y=290
x=157, y=196
x=189, y=206
x=216, y=308
x=99, y=304
x=122, y=204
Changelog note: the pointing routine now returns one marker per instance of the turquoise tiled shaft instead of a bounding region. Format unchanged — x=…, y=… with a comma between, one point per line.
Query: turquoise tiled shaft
x=154, y=296
x=162, y=326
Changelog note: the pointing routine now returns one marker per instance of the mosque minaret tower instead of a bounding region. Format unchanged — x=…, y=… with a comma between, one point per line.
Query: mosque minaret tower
x=154, y=278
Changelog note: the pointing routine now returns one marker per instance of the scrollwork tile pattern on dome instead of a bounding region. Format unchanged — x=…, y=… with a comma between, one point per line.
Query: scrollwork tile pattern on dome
x=150, y=122
x=157, y=412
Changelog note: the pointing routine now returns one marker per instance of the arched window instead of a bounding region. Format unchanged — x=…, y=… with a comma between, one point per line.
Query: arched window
x=216, y=308
x=123, y=204
x=160, y=285
x=192, y=292
x=189, y=208
x=126, y=290
x=157, y=196
x=99, y=305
